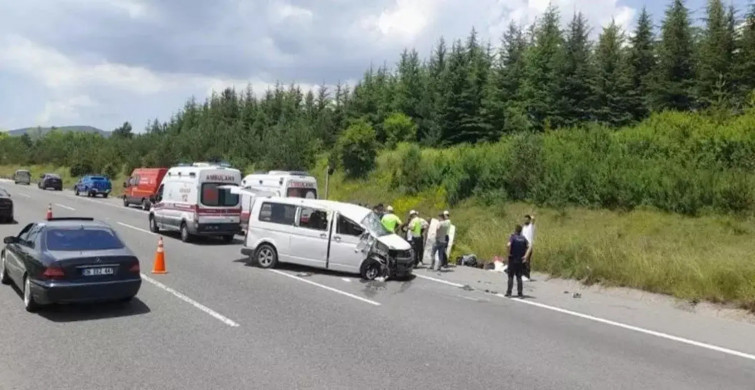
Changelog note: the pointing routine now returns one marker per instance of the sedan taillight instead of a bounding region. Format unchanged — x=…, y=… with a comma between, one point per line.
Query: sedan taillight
x=135, y=268
x=53, y=273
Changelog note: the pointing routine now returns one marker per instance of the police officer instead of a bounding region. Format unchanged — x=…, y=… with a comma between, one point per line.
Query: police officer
x=417, y=228
x=390, y=220
x=519, y=249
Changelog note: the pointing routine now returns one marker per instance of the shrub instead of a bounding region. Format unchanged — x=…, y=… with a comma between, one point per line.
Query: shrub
x=399, y=127
x=357, y=149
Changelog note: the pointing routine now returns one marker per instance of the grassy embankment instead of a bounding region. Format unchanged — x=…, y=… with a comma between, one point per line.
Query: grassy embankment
x=693, y=258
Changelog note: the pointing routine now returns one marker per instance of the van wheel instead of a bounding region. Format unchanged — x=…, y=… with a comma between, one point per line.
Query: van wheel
x=76, y=191
x=185, y=235
x=104, y=196
x=145, y=205
x=125, y=201
x=371, y=270
x=4, y=278
x=153, y=225
x=265, y=256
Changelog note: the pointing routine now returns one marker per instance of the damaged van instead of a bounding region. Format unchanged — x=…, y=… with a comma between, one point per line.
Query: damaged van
x=325, y=234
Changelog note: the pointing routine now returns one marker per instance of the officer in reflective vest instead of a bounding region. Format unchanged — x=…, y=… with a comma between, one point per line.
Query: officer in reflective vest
x=390, y=220
x=417, y=229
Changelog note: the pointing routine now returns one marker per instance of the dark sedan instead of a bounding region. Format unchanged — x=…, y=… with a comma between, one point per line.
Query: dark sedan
x=6, y=207
x=51, y=180
x=69, y=260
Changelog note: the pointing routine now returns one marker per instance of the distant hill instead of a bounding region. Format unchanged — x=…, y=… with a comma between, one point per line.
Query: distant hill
x=40, y=131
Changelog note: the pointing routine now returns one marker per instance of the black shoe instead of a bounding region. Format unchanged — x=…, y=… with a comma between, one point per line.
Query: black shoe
x=520, y=295
x=508, y=295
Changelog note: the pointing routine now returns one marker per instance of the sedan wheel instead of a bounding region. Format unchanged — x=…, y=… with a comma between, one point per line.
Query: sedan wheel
x=29, y=303
x=145, y=205
x=266, y=256
x=4, y=279
x=153, y=225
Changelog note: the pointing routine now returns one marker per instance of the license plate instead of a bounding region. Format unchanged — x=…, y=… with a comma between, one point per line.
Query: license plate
x=97, y=271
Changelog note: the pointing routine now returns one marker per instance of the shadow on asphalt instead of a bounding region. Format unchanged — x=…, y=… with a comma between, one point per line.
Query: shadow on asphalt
x=13, y=222
x=202, y=240
x=89, y=311
x=93, y=311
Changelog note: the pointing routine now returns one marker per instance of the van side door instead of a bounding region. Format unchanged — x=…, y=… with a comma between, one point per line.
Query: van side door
x=344, y=253
x=310, y=238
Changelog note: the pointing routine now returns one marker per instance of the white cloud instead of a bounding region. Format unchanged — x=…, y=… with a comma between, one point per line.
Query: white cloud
x=290, y=13
x=64, y=110
x=404, y=20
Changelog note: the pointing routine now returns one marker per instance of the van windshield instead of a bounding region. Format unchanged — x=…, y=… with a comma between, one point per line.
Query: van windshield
x=23, y=173
x=372, y=222
x=308, y=193
x=216, y=197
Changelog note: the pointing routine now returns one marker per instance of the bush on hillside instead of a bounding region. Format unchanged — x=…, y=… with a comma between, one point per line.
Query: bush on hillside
x=399, y=127
x=357, y=149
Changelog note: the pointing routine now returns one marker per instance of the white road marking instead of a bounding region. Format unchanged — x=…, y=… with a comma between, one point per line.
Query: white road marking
x=136, y=228
x=327, y=288
x=346, y=280
x=636, y=329
x=64, y=206
x=439, y=280
x=194, y=303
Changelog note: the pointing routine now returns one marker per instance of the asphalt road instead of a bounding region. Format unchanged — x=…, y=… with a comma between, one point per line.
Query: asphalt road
x=215, y=322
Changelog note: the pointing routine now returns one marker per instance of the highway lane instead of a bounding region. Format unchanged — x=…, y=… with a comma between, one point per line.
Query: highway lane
x=295, y=334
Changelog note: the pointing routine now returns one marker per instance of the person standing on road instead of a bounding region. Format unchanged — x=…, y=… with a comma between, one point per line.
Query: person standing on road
x=528, y=231
x=519, y=249
x=417, y=230
x=441, y=241
x=390, y=220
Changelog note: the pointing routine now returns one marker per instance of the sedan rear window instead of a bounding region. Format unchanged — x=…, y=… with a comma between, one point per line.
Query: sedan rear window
x=82, y=240
x=53, y=175
x=98, y=178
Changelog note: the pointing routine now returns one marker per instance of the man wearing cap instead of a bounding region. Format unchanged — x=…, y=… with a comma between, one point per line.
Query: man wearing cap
x=390, y=220
x=441, y=241
x=417, y=228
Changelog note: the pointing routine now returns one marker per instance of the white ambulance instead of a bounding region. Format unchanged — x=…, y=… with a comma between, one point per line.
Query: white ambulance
x=196, y=200
x=283, y=184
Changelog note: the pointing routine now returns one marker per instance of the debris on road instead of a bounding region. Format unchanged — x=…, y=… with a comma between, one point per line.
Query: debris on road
x=577, y=295
x=304, y=274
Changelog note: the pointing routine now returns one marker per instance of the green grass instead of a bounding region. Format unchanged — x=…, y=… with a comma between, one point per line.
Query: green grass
x=707, y=258
x=6, y=171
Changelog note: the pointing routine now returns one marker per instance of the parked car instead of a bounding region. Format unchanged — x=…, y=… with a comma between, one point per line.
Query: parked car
x=69, y=260
x=92, y=186
x=325, y=234
x=22, y=176
x=6, y=207
x=141, y=187
x=50, y=180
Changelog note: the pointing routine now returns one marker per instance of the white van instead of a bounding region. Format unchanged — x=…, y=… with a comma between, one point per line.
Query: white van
x=196, y=200
x=324, y=234
x=285, y=184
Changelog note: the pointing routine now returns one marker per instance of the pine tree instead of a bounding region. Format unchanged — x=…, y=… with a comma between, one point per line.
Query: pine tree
x=641, y=61
x=716, y=55
x=430, y=132
x=454, y=80
x=673, y=81
x=576, y=77
x=409, y=85
x=474, y=126
x=544, y=61
x=745, y=59
x=613, y=81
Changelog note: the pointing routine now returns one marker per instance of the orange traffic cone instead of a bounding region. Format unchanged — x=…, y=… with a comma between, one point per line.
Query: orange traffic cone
x=49, y=212
x=159, y=265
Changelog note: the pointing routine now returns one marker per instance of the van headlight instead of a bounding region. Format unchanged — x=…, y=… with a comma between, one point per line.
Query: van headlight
x=381, y=248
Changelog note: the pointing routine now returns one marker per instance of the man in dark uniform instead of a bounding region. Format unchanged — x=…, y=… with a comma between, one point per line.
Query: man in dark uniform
x=519, y=249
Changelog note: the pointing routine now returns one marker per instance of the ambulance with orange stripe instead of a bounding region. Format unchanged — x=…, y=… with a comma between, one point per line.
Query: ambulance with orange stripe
x=283, y=184
x=196, y=200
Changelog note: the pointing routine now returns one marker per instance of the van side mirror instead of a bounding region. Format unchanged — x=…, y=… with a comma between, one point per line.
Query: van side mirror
x=10, y=240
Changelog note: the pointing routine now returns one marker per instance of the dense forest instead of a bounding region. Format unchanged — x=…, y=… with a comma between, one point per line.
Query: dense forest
x=551, y=92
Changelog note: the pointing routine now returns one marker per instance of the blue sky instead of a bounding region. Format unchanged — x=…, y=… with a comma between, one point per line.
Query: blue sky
x=103, y=62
